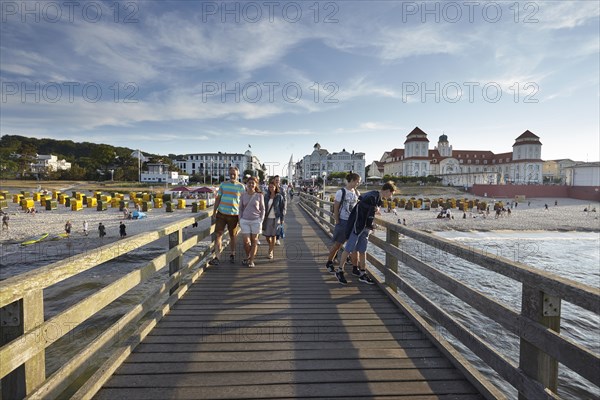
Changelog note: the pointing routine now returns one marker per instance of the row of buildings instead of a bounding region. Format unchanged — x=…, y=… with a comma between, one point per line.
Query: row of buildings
x=210, y=166
x=522, y=165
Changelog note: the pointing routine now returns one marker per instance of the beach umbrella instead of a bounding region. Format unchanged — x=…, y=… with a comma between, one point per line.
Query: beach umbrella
x=373, y=177
x=179, y=189
x=203, y=189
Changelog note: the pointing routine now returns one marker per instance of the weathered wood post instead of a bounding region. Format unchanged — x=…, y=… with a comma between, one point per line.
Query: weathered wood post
x=16, y=319
x=539, y=307
x=391, y=262
x=331, y=219
x=175, y=239
x=321, y=215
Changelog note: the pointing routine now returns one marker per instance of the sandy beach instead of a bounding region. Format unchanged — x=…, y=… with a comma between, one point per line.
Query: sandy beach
x=23, y=225
x=568, y=215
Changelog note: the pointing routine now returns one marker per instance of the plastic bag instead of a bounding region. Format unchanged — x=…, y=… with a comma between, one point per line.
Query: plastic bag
x=280, y=231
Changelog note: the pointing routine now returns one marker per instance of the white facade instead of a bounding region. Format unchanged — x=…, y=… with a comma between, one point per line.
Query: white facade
x=321, y=163
x=466, y=167
x=159, y=173
x=217, y=164
x=49, y=163
x=583, y=174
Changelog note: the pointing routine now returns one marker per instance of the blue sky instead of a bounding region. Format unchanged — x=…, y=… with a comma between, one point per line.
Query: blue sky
x=191, y=76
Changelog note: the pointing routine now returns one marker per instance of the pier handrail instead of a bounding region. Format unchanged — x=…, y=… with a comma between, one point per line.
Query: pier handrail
x=542, y=347
x=26, y=335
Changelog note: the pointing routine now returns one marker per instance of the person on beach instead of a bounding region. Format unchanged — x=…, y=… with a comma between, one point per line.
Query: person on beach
x=359, y=227
x=122, y=230
x=101, y=230
x=252, y=213
x=85, y=228
x=344, y=201
x=226, y=213
x=275, y=205
x=5, y=219
x=68, y=227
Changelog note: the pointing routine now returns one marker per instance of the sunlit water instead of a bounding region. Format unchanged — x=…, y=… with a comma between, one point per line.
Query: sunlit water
x=572, y=255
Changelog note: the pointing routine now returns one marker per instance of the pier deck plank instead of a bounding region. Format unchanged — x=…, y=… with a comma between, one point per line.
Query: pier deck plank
x=285, y=329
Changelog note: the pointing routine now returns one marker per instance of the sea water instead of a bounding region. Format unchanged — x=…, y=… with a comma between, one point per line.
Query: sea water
x=572, y=255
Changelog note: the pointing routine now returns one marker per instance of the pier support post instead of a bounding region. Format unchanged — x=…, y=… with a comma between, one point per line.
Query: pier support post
x=16, y=319
x=175, y=239
x=391, y=262
x=545, y=309
x=331, y=219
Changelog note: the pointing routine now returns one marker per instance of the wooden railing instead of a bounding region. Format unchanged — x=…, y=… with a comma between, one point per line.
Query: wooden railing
x=25, y=335
x=542, y=347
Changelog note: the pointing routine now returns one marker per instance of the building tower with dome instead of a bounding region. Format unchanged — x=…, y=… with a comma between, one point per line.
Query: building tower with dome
x=466, y=167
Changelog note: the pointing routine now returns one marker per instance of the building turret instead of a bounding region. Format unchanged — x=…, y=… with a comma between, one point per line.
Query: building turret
x=416, y=144
x=527, y=147
x=443, y=146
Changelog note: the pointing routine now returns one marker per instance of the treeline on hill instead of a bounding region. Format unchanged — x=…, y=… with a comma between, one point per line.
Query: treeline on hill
x=89, y=161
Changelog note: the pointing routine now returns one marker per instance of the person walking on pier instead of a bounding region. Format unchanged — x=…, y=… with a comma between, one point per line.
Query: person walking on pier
x=226, y=213
x=283, y=193
x=275, y=205
x=85, y=228
x=5, y=219
x=359, y=227
x=252, y=213
x=344, y=201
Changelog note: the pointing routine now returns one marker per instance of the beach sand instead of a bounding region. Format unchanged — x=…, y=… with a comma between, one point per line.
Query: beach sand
x=23, y=225
x=568, y=215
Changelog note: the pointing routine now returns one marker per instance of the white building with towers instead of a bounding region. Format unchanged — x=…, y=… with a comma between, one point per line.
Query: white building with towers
x=523, y=165
x=321, y=163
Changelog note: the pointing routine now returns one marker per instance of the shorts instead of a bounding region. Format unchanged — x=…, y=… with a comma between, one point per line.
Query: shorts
x=250, y=226
x=222, y=220
x=339, y=232
x=358, y=242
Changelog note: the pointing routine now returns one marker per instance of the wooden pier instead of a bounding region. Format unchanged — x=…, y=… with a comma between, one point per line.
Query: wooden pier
x=287, y=328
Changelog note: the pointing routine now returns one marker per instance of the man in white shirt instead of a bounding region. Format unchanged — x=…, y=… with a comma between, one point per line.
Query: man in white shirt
x=345, y=199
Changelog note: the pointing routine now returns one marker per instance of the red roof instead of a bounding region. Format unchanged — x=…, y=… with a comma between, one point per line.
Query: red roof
x=416, y=135
x=527, y=135
x=416, y=131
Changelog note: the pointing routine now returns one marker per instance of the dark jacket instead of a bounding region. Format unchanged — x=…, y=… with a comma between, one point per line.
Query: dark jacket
x=363, y=213
x=278, y=205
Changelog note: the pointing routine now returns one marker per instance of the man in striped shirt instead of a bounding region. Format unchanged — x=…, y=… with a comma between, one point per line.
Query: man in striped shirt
x=227, y=213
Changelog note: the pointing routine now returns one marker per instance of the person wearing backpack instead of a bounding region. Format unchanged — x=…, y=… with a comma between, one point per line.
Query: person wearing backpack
x=359, y=227
x=344, y=201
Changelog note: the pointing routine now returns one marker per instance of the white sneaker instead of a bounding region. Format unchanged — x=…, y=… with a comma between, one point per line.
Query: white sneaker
x=278, y=243
x=258, y=242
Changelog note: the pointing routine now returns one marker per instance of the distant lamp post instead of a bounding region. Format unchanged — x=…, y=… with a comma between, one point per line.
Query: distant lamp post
x=324, y=179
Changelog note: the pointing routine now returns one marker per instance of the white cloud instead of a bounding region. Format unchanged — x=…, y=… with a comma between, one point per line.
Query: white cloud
x=565, y=14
